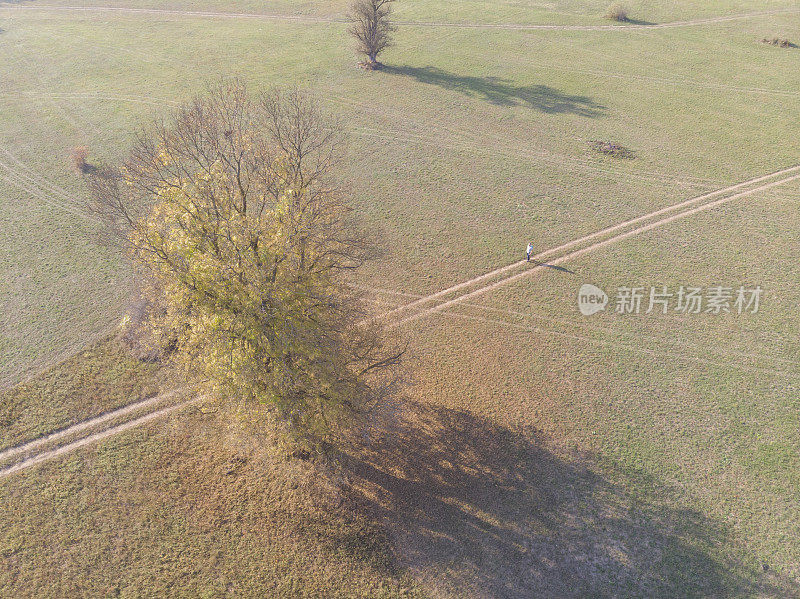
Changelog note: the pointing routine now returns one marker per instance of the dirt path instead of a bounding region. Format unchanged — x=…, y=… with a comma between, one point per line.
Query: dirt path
x=681, y=210
x=58, y=450
x=320, y=19
x=91, y=423
x=552, y=256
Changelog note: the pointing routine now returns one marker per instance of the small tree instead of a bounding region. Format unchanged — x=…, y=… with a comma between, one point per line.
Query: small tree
x=617, y=12
x=229, y=210
x=371, y=27
x=79, y=157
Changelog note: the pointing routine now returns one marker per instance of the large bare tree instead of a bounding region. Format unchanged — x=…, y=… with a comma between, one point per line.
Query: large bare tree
x=229, y=209
x=370, y=25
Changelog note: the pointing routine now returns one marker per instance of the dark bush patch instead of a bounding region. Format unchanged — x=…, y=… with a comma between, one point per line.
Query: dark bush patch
x=79, y=156
x=780, y=42
x=300, y=454
x=612, y=149
x=617, y=12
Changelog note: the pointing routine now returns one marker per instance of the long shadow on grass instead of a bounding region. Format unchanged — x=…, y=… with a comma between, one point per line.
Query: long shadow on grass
x=638, y=22
x=475, y=509
x=503, y=92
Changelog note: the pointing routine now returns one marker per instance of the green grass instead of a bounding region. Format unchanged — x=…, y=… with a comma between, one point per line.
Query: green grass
x=666, y=454
x=98, y=379
x=474, y=152
x=488, y=504
x=474, y=11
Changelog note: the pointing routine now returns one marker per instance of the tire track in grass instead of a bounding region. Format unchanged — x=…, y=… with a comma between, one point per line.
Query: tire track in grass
x=564, y=163
x=631, y=348
x=151, y=100
x=434, y=24
x=60, y=450
x=685, y=208
x=579, y=252
x=14, y=180
x=67, y=115
x=588, y=327
x=475, y=142
x=41, y=189
x=95, y=421
x=616, y=27
x=671, y=352
x=676, y=81
x=23, y=170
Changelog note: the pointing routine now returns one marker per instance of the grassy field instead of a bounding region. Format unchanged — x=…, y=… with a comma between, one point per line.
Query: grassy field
x=562, y=12
x=705, y=404
x=195, y=507
x=637, y=455
x=473, y=155
x=98, y=379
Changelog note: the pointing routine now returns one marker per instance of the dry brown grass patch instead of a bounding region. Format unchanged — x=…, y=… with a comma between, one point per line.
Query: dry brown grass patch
x=79, y=157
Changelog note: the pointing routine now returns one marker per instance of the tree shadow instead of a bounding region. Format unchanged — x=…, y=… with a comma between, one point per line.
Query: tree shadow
x=630, y=21
x=473, y=508
x=503, y=92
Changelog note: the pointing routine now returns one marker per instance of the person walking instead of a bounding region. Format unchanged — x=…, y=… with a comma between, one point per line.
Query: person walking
x=528, y=251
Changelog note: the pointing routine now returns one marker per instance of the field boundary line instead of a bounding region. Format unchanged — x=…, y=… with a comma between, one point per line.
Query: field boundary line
x=445, y=24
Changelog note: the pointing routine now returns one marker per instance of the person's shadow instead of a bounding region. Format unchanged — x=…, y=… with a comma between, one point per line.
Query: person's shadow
x=476, y=509
x=503, y=92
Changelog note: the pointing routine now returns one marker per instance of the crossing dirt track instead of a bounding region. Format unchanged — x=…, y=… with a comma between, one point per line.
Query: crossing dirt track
x=89, y=431
x=533, y=451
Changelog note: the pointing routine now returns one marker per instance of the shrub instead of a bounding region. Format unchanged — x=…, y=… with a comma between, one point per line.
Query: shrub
x=617, y=12
x=612, y=149
x=79, y=157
